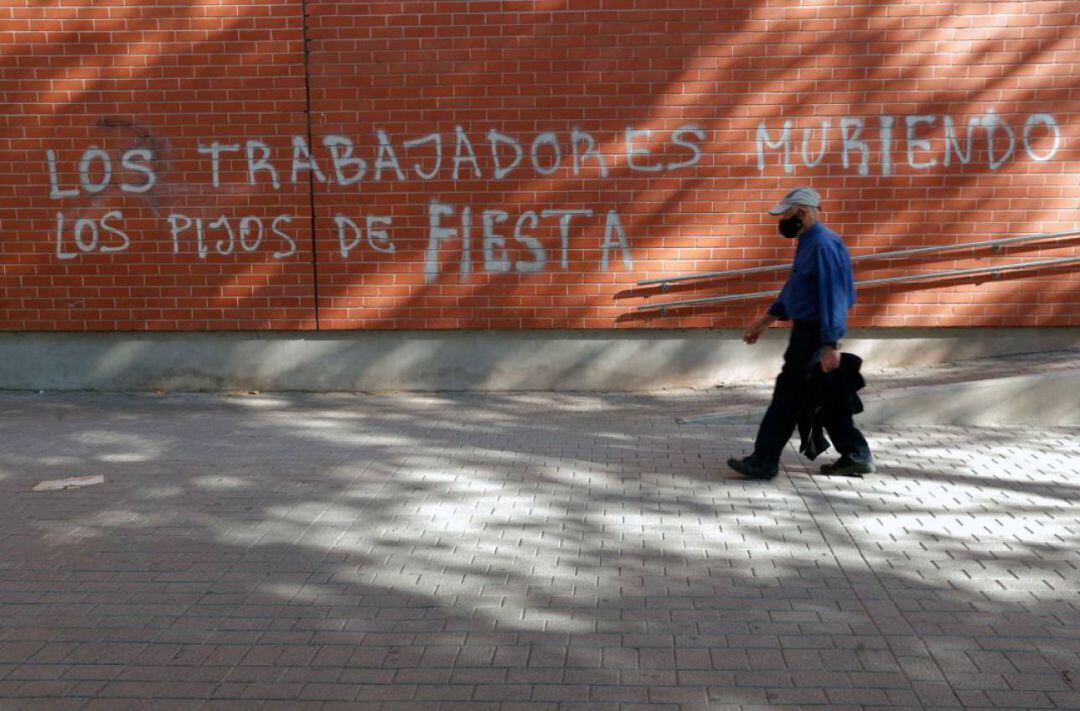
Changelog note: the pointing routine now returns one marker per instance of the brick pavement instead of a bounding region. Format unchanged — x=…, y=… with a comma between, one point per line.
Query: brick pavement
x=527, y=552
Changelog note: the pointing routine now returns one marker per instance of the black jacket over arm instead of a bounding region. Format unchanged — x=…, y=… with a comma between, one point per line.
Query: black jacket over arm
x=837, y=389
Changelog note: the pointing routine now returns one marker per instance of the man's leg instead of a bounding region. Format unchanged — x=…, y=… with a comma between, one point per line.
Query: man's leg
x=783, y=413
x=846, y=437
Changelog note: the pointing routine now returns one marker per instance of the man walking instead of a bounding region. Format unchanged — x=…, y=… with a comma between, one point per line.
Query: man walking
x=818, y=293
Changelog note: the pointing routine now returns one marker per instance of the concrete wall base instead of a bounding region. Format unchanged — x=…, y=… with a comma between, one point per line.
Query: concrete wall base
x=374, y=361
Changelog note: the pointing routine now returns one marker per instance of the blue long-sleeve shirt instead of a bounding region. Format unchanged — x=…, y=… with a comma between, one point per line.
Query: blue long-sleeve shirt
x=821, y=286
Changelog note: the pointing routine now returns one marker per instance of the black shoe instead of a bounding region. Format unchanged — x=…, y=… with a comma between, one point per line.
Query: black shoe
x=846, y=466
x=750, y=468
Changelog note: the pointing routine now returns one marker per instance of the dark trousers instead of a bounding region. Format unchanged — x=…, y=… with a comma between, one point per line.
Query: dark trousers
x=776, y=428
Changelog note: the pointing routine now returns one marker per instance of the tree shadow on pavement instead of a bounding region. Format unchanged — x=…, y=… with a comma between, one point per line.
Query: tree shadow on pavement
x=476, y=551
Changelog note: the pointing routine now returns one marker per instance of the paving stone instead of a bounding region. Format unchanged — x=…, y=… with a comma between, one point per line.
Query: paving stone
x=532, y=551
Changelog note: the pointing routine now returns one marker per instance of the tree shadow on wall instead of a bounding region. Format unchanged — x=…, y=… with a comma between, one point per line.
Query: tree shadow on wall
x=715, y=50
x=372, y=71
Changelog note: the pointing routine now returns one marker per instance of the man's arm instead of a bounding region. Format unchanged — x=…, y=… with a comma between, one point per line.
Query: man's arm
x=834, y=284
x=758, y=327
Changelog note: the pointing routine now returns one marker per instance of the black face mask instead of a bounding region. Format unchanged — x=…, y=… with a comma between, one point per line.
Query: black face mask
x=791, y=226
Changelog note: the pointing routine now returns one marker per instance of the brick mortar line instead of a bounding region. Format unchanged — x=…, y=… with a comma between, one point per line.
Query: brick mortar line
x=311, y=174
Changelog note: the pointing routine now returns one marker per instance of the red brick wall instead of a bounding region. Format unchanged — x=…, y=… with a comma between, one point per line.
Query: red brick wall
x=651, y=136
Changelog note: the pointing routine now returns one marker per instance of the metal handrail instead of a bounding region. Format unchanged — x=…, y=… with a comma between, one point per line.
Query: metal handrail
x=665, y=282
x=869, y=282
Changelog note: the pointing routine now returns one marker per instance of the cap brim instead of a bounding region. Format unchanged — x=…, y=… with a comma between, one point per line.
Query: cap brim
x=779, y=209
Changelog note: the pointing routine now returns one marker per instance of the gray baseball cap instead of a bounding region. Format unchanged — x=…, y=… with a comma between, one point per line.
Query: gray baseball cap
x=799, y=196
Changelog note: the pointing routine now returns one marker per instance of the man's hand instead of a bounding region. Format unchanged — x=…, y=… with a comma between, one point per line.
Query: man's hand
x=830, y=359
x=758, y=327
